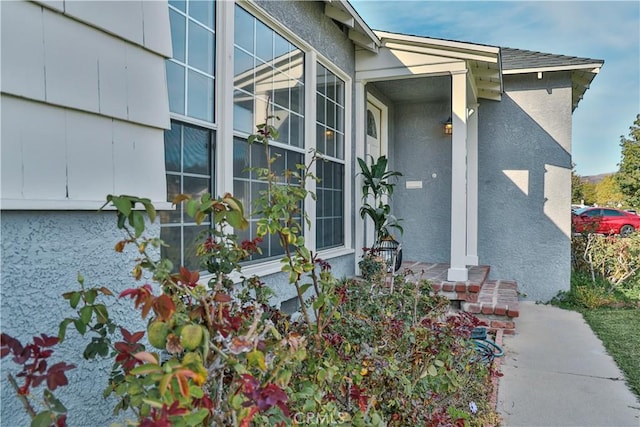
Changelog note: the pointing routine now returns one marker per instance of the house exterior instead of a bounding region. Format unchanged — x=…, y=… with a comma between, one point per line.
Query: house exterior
x=153, y=98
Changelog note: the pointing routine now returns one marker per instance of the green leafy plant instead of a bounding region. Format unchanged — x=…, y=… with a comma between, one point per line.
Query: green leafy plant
x=376, y=193
x=215, y=353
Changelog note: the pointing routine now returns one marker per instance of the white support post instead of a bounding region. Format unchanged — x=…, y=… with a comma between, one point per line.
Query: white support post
x=360, y=142
x=310, y=130
x=224, y=89
x=472, y=185
x=458, y=267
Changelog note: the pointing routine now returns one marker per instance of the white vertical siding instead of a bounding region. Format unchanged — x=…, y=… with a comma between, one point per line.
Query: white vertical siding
x=84, y=102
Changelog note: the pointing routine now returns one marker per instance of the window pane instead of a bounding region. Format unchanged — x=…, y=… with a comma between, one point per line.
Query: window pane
x=297, y=65
x=243, y=70
x=178, y=34
x=204, y=11
x=201, y=48
x=330, y=205
x=189, y=164
x=264, y=42
x=196, y=187
x=281, y=48
x=321, y=80
x=331, y=114
x=172, y=147
x=200, y=96
x=242, y=112
x=242, y=192
x=243, y=32
x=179, y=4
x=193, y=235
x=320, y=139
x=339, y=146
x=240, y=158
x=174, y=187
x=297, y=98
x=175, y=85
x=196, y=150
x=282, y=125
x=172, y=236
x=296, y=137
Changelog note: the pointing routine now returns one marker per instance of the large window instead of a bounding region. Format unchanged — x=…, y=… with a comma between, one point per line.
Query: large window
x=189, y=162
x=190, y=73
x=330, y=119
x=268, y=80
x=189, y=149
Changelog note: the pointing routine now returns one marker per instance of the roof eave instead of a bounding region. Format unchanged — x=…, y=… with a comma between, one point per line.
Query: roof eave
x=359, y=32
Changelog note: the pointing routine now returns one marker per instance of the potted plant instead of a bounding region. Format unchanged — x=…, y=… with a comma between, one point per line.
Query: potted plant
x=376, y=195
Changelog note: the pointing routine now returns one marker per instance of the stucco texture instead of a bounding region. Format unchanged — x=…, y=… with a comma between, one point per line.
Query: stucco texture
x=525, y=184
x=42, y=255
x=524, y=162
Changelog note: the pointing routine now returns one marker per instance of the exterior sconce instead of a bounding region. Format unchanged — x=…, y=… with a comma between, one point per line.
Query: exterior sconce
x=448, y=127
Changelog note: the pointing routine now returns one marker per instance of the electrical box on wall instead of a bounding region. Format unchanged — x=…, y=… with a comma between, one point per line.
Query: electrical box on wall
x=411, y=185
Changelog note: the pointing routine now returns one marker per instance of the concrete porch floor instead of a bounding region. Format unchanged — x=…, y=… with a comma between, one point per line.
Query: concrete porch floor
x=436, y=273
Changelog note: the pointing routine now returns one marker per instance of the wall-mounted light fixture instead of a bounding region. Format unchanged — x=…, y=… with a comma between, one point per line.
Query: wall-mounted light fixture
x=448, y=127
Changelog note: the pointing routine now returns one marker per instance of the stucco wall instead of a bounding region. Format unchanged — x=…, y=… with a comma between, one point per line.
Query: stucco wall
x=42, y=254
x=524, y=184
x=422, y=153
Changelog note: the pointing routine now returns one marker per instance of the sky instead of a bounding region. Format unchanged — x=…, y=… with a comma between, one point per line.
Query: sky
x=606, y=30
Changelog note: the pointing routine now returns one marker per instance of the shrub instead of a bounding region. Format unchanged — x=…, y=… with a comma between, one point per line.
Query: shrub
x=611, y=261
x=361, y=353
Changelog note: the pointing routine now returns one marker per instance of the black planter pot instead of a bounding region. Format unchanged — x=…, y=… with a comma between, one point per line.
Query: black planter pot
x=391, y=252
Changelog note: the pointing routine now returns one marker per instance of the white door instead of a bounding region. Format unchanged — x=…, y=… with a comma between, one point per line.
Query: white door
x=376, y=147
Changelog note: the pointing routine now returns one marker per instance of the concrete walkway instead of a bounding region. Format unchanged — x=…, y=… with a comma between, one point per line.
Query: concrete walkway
x=557, y=373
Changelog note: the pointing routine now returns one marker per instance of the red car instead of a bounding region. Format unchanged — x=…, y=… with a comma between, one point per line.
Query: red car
x=605, y=221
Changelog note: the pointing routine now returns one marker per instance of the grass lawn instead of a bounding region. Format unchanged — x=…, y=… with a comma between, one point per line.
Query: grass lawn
x=619, y=330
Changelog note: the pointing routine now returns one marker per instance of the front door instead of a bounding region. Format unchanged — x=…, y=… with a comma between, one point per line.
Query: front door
x=376, y=147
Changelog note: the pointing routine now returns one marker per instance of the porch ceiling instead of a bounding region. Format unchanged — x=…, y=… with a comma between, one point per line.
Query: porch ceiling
x=434, y=89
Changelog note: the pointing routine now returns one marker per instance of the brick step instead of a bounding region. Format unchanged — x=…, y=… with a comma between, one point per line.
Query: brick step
x=497, y=305
x=436, y=274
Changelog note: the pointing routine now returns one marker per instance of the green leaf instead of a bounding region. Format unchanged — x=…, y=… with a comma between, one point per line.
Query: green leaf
x=53, y=402
x=192, y=207
x=102, y=315
x=196, y=418
x=146, y=369
x=90, y=296
x=85, y=314
x=432, y=370
x=256, y=357
x=122, y=204
x=62, y=329
x=305, y=287
x=43, y=419
x=151, y=211
x=121, y=220
x=75, y=299
x=137, y=221
x=80, y=326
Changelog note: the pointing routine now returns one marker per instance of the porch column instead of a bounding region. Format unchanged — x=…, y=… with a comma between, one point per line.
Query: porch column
x=472, y=185
x=360, y=143
x=458, y=266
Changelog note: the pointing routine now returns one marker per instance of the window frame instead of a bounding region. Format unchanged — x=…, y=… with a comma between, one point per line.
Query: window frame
x=224, y=132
